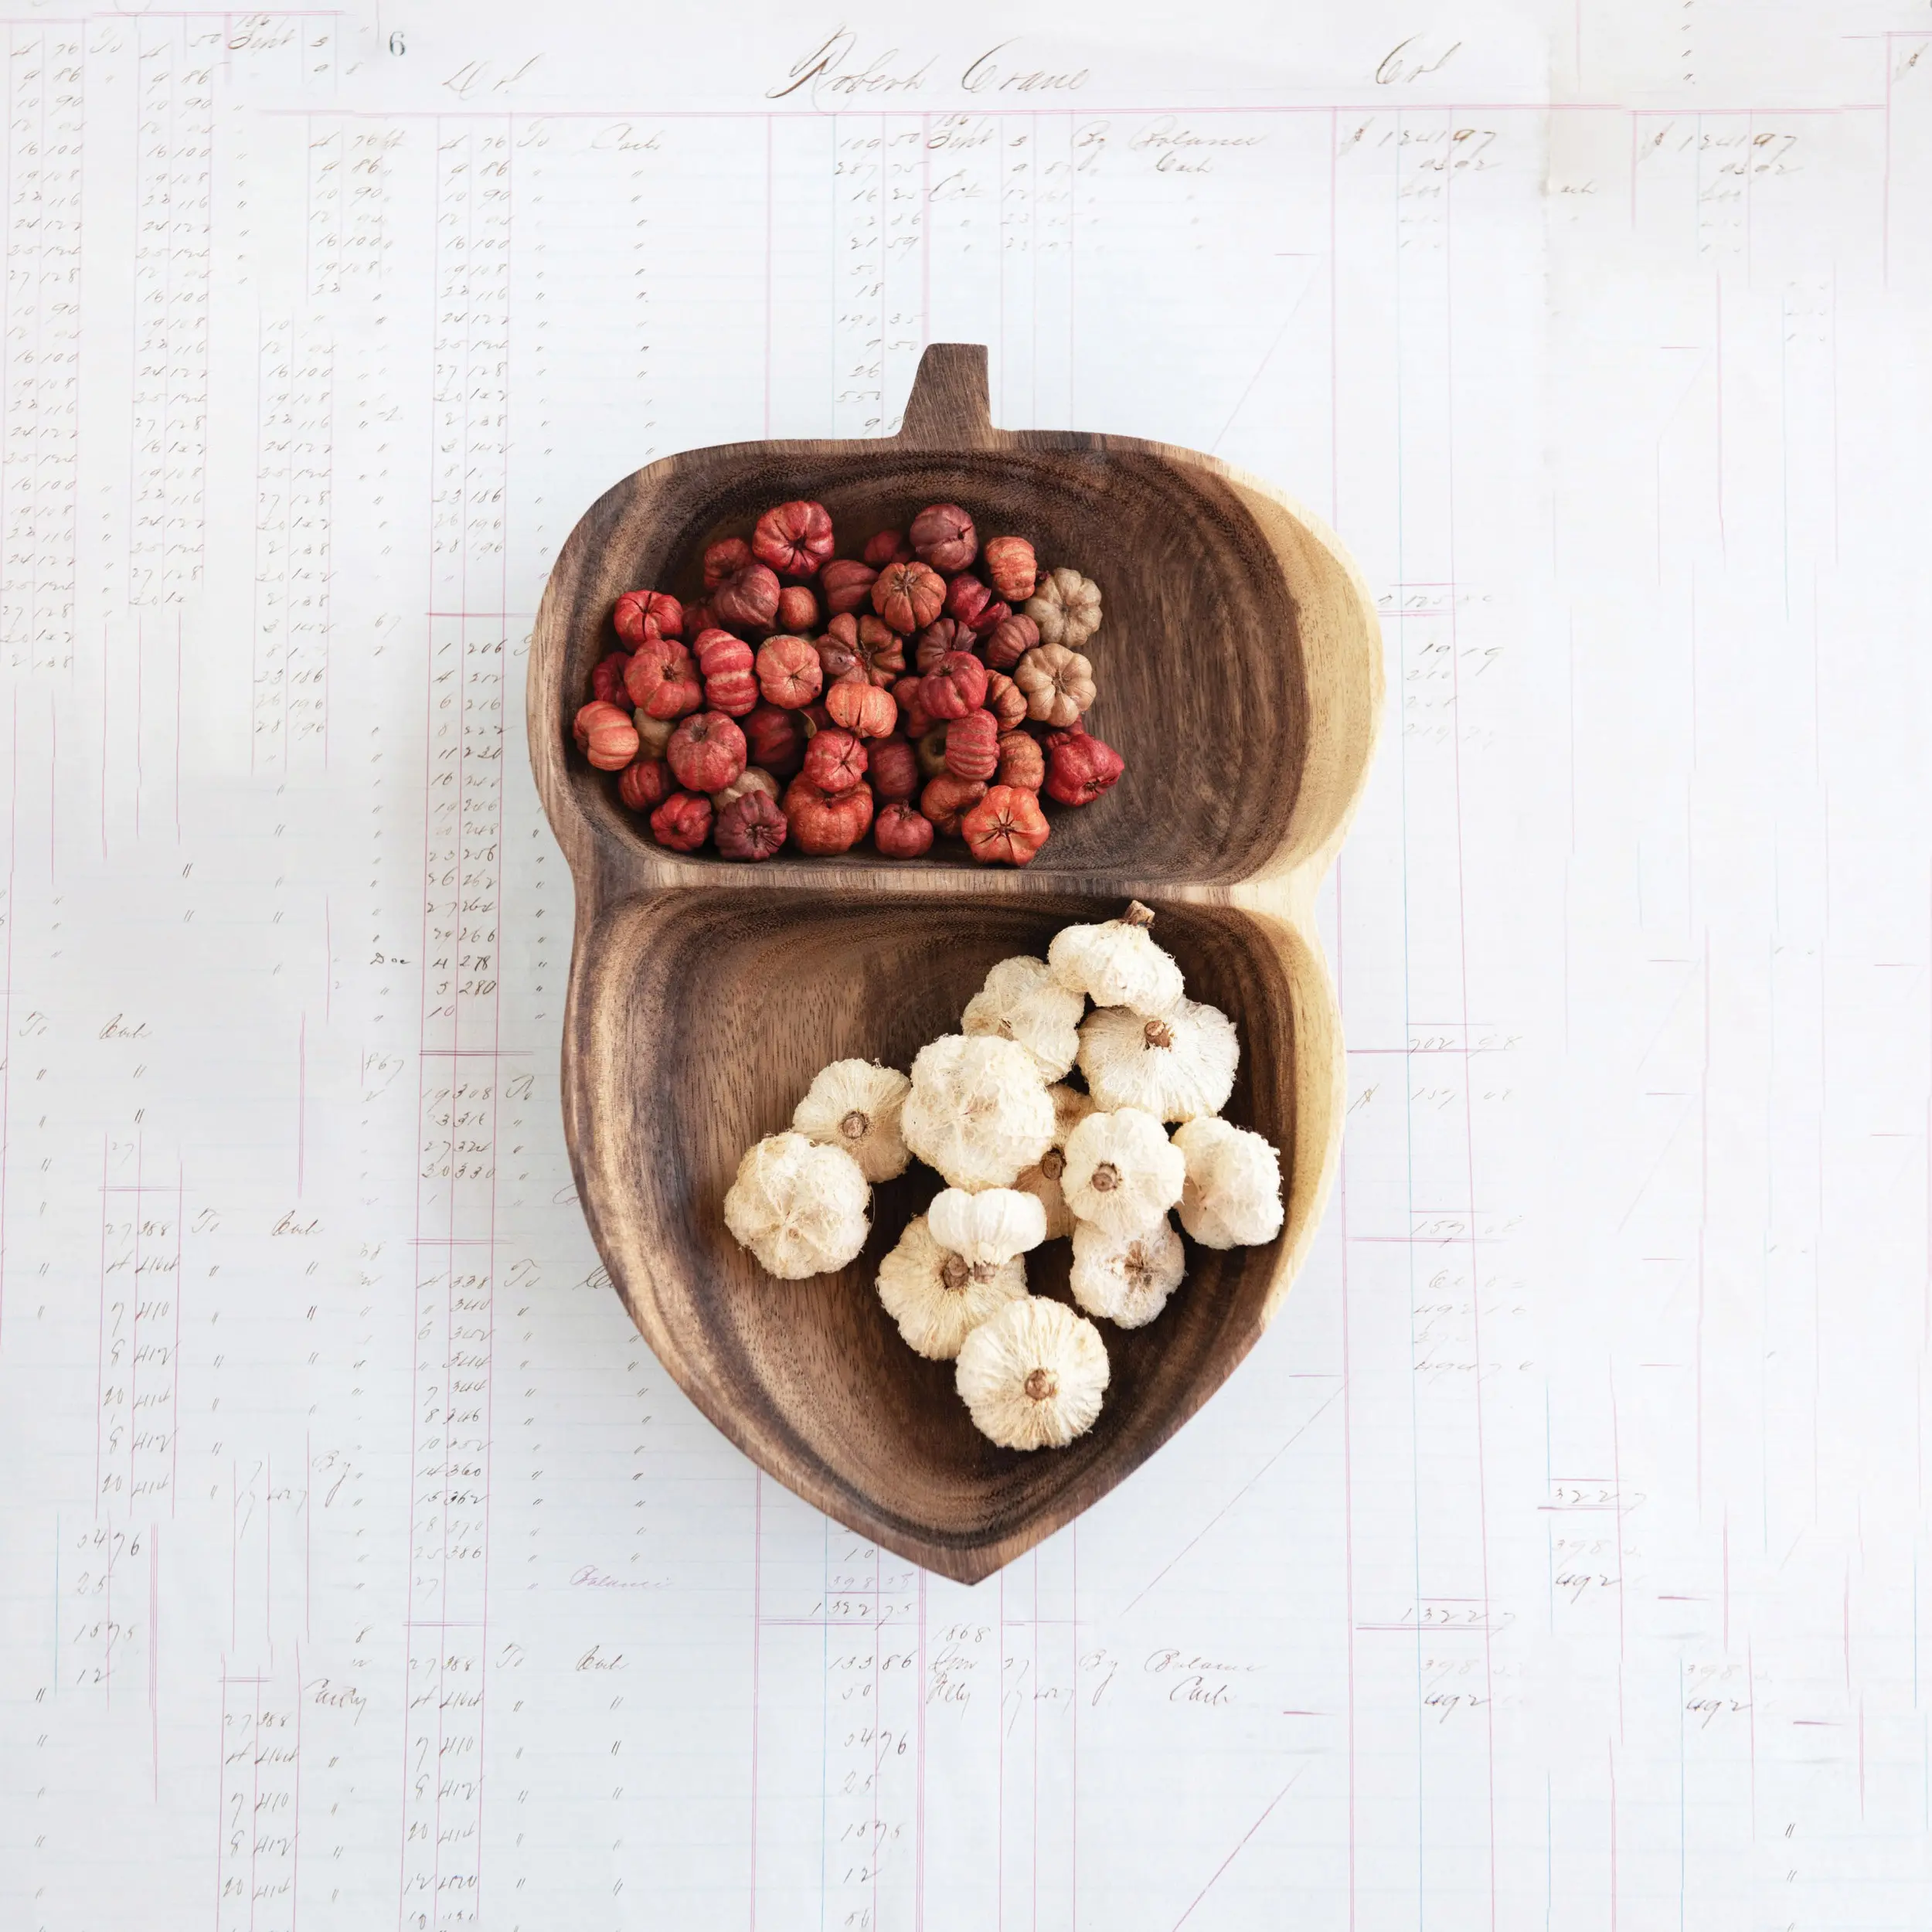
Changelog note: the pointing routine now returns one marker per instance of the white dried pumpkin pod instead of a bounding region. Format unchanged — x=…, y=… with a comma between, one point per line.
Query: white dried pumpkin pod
x=1126, y=1278
x=1032, y=1375
x=1176, y=1066
x=854, y=1105
x=1122, y=1172
x=1065, y=607
x=1116, y=964
x=1022, y=1001
x=937, y=1297
x=993, y=1224
x=1232, y=1194
x=799, y=1207
x=977, y=1111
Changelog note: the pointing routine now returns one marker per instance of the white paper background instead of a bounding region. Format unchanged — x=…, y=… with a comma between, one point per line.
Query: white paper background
x=1555, y=1560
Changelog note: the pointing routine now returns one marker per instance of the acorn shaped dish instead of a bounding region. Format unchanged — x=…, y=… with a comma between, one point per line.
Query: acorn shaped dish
x=1244, y=685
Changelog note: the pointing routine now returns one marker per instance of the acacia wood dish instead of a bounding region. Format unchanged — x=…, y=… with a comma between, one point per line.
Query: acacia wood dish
x=1240, y=662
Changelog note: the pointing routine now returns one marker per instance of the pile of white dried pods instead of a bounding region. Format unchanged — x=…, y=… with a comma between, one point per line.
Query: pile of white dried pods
x=1028, y=1157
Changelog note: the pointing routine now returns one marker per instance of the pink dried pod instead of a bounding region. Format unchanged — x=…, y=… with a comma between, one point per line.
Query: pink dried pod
x=972, y=747
x=901, y=831
x=707, y=752
x=724, y=560
x=606, y=678
x=824, y=824
x=908, y=596
x=954, y=686
x=947, y=799
x=789, y=674
x=894, y=769
x=608, y=738
x=751, y=827
x=1022, y=762
x=888, y=546
x=847, y=584
x=859, y=706
x=1010, y=640
x=645, y=784
x=748, y=601
x=947, y=634
x=793, y=539
x=835, y=761
x=1010, y=564
x=775, y=740
x=797, y=609
x=641, y=613
x=1005, y=700
x=661, y=680
x=725, y=664
x=943, y=536
x=683, y=823
x=1079, y=767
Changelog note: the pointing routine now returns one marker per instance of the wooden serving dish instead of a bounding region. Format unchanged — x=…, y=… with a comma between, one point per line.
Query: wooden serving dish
x=1240, y=662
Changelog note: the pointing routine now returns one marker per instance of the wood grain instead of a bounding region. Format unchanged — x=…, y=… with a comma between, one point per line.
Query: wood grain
x=1240, y=671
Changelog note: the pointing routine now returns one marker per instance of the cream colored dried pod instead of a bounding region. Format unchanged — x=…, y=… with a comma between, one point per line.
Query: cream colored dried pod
x=937, y=1297
x=1176, y=1066
x=1067, y=608
x=1022, y=1001
x=1233, y=1196
x=854, y=1105
x=1126, y=1278
x=1116, y=964
x=655, y=733
x=993, y=1224
x=753, y=778
x=1032, y=1375
x=1042, y=1181
x=799, y=1207
x=977, y=1111
x=1122, y=1172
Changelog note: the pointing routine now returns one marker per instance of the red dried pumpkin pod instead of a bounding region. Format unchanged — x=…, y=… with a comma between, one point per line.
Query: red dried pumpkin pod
x=1079, y=767
x=972, y=745
x=1011, y=566
x=894, y=770
x=901, y=832
x=943, y=536
x=640, y=613
x=990, y=618
x=1022, y=762
x=775, y=740
x=644, y=783
x=862, y=707
x=888, y=546
x=707, y=752
x=606, y=679
x=836, y=658
x=954, y=686
x=724, y=560
x=793, y=539
x=751, y=827
x=847, y=584
x=823, y=823
x=881, y=650
x=966, y=596
x=947, y=799
x=749, y=600
x=697, y=617
x=1005, y=700
x=929, y=749
x=788, y=673
x=1010, y=640
x=1006, y=828
x=683, y=823
x=661, y=680
x=908, y=596
x=725, y=664
x=947, y=634
x=835, y=761
x=797, y=609
x=609, y=738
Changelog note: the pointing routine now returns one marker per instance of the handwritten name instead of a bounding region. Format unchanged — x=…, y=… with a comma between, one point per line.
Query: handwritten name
x=837, y=72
